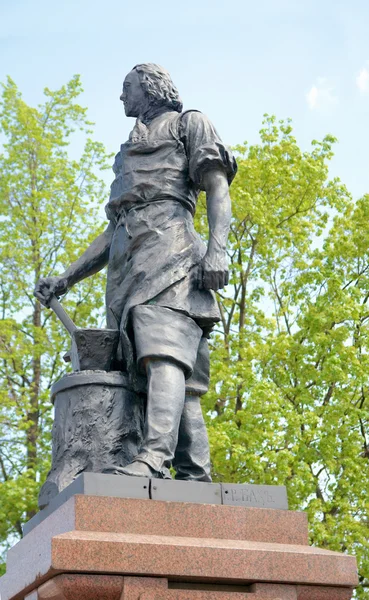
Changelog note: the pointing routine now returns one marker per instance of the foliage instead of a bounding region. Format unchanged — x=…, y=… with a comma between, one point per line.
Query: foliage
x=290, y=363
x=48, y=212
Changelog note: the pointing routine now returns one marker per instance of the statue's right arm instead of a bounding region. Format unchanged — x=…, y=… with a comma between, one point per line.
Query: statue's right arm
x=91, y=261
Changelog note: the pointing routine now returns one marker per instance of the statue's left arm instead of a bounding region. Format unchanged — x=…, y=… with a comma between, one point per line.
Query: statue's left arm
x=214, y=269
x=211, y=167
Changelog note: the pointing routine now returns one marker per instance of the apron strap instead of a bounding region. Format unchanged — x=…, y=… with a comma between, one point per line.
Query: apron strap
x=180, y=121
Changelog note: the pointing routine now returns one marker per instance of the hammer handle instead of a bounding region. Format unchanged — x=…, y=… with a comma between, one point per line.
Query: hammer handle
x=62, y=315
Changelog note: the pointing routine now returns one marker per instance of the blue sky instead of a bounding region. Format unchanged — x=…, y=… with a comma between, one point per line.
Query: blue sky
x=308, y=60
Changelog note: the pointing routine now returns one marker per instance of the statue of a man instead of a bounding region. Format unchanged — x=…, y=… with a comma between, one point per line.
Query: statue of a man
x=160, y=275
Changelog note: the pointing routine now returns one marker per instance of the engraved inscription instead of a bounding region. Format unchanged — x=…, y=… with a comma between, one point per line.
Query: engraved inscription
x=250, y=496
x=259, y=496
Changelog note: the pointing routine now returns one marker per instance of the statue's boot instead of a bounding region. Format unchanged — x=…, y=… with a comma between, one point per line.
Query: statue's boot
x=192, y=456
x=165, y=401
x=137, y=468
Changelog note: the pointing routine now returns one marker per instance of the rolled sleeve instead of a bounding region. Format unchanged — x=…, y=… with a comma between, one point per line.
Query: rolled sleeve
x=204, y=148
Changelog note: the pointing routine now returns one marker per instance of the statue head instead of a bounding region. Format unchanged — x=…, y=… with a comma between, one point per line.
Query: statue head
x=146, y=86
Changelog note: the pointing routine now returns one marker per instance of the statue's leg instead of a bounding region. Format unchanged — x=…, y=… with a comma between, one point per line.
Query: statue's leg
x=165, y=400
x=192, y=457
x=166, y=344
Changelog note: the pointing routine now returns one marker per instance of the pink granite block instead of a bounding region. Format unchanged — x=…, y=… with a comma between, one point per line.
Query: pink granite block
x=307, y=592
x=201, y=559
x=50, y=591
x=125, y=515
x=195, y=595
x=134, y=588
x=82, y=587
x=272, y=591
x=181, y=541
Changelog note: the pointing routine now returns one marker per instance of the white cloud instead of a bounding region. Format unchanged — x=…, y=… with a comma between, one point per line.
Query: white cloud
x=321, y=95
x=312, y=97
x=362, y=80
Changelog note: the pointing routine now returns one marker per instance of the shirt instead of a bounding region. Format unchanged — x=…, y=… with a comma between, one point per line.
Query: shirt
x=167, y=159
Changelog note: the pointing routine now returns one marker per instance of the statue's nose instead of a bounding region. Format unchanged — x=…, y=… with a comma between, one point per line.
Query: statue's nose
x=121, y=97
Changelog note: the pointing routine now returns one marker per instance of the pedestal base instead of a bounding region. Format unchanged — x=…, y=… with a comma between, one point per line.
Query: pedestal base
x=100, y=548
x=111, y=587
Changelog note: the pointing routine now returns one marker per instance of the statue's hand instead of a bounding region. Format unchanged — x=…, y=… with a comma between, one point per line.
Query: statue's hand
x=48, y=287
x=213, y=272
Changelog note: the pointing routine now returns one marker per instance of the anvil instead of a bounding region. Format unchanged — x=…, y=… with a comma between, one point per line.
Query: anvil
x=92, y=349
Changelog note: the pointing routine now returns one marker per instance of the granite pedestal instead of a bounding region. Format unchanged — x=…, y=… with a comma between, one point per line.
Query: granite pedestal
x=95, y=547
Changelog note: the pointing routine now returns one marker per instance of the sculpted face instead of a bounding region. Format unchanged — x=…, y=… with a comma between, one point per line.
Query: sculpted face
x=133, y=96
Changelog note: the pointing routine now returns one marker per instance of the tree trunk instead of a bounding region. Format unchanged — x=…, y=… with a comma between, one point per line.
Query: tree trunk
x=33, y=413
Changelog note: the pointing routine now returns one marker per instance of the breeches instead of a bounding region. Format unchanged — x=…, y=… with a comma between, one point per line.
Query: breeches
x=164, y=333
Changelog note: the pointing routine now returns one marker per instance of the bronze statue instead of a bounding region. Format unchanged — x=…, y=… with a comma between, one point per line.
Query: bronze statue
x=161, y=277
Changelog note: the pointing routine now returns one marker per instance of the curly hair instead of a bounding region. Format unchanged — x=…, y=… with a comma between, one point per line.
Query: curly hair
x=159, y=86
